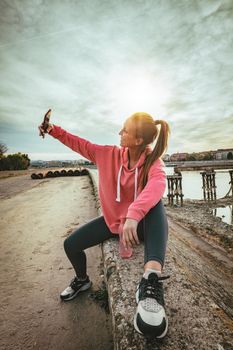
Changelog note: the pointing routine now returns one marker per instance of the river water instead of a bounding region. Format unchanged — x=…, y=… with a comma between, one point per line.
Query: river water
x=192, y=189
x=192, y=183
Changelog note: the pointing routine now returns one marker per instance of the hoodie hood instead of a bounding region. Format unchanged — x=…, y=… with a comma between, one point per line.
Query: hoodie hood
x=140, y=162
x=135, y=169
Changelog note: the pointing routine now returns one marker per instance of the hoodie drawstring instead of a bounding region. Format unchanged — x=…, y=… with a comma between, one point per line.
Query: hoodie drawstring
x=135, y=183
x=118, y=198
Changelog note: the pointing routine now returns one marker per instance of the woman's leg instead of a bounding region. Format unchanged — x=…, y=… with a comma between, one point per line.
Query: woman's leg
x=150, y=317
x=87, y=235
x=153, y=229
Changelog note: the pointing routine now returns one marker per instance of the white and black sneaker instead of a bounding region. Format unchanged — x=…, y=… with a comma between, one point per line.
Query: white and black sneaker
x=75, y=287
x=150, y=318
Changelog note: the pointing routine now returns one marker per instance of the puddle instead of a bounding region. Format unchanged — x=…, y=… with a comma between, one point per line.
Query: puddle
x=225, y=213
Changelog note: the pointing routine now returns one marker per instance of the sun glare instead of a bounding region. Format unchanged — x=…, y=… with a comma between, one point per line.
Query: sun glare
x=133, y=91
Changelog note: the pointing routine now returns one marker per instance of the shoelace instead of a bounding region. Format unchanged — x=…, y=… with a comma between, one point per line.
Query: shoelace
x=152, y=288
x=75, y=282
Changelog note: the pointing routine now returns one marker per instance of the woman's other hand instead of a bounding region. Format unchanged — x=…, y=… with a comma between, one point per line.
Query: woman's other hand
x=129, y=234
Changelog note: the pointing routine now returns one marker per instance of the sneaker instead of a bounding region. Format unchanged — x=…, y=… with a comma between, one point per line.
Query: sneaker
x=74, y=288
x=150, y=318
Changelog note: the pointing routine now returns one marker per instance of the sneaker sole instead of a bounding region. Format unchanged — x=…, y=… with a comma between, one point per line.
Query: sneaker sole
x=82, y=289
x=158, y=337
x=135, y=319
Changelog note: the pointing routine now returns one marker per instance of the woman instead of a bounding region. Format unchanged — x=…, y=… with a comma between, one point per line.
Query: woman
x=132, y=182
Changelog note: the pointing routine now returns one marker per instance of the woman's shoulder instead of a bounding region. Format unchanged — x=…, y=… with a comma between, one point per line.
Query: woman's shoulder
x=108, y=150
x=110, y=147
x=158, y=165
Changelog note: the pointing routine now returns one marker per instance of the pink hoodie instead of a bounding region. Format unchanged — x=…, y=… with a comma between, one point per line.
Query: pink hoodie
x=120, y=195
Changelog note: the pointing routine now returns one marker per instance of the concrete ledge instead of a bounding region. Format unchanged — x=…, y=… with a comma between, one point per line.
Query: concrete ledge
x=196, y=321
x=121, y=276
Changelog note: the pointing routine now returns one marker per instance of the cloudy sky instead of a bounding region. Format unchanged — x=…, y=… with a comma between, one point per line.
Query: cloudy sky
x=97, y=62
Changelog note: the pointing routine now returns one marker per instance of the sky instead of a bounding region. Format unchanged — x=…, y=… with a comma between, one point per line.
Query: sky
x=94, y=63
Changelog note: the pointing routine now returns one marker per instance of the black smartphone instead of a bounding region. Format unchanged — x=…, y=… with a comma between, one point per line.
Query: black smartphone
x=46, y=119
x=45, y=122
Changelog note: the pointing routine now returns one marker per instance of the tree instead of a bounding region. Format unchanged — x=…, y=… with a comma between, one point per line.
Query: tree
x=191, y=157
x=16, y=161
x=208, y=156
x=3, y=149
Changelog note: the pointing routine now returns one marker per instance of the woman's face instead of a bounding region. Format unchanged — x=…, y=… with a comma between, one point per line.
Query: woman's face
x=127, y=134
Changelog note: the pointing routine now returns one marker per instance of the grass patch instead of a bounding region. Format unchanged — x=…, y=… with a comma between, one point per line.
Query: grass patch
x=100, y=296
x=227, y=241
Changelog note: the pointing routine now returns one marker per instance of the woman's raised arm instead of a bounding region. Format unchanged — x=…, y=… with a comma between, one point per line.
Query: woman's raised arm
x=76, y=143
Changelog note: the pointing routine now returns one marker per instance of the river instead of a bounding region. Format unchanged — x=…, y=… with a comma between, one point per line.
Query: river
x=192, y=183
x=192, y=189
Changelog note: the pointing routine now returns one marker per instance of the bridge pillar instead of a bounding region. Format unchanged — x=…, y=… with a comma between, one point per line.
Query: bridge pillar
x=175, y=189
x=209, y=185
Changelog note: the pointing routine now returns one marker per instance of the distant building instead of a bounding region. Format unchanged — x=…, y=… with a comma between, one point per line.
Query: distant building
x=81, y=161
x=176, y=157
x=38, y=163
x=67, y=163
x=224, y=154
x=84, y=162
x=54, y=163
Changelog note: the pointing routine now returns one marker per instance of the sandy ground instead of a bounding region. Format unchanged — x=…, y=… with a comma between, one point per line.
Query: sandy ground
x=36, y=216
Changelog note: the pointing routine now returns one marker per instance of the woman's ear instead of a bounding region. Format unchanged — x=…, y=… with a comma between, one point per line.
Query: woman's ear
x=139, y=141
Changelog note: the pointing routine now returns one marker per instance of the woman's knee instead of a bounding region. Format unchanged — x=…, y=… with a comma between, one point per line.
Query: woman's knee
x=71, y=245
x=159, y=209
x=75, y=243
x=67, y=245
x=157, y=214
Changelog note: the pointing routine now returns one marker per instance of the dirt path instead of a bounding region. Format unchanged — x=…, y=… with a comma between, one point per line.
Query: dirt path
x=34, y=268
x=13, y=185
x=13, y=182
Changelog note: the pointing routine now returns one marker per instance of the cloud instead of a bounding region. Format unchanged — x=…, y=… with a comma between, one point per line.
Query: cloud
x=62, y=55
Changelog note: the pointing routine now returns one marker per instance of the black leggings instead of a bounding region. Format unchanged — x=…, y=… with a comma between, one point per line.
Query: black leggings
x=152, y=229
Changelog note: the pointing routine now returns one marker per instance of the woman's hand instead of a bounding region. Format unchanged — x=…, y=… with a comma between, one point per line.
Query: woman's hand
x=44, y=130
x=129, y=234
x=45, y=127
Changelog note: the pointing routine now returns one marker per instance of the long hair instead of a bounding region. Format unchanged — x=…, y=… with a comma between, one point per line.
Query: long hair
x=148, y=129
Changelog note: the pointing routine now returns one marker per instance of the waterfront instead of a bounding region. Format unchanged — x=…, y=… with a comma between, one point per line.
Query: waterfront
x=192, y=183
x=225, y=213
x=192, y=189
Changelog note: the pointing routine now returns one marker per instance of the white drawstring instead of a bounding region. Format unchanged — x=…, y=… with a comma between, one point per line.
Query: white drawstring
x=135, y=183
x=118, y=198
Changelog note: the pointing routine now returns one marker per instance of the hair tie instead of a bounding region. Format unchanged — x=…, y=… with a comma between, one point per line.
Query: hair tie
x=157, y=122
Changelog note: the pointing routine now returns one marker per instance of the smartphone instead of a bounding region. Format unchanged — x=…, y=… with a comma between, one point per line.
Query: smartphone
x=45, y=122
x=46, y=119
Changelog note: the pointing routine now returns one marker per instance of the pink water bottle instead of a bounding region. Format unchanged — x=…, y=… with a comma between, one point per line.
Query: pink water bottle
x=124, y=252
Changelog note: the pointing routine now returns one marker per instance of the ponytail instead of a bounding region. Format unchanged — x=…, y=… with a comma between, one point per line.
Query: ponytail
x=159, y=149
